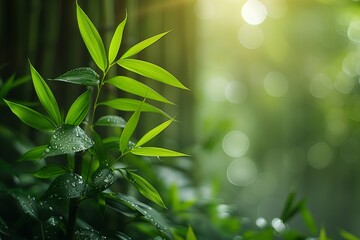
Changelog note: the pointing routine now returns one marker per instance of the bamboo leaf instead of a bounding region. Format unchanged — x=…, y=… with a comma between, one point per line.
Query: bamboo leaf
x=68, y=139
x=309, y=219
x=111, y=121
x=190, y=235
x=129, y=130
x=79, y=109
x=142, y=45
x=45, y=96
x=116, y=40
x=127, y=104
x=81, y=76
x=28, y=205
x=145, y=188
x=153, y=133
x=50, y=171
x=132, y=86
x=156, y=152
x=149, y=213
x=68, y=185
x=101, y=179
x=348, y=236
x=151, y=71
x=30, y=117
x=91, y=38
x=35, y=153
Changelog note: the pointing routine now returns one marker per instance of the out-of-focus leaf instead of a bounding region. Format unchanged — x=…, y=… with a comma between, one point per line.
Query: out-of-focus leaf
x=30, y=117
x=53, y=228
x=190, y=235
x=101, y=179
x=6, y=87
x=87, y=234
x=78, y=110
x=156, y=152
x=35, y=153
x=68, y=185
x=91, y=38
x=99, y=148
x=129, y=129
x=142, y=45
x=323, y=234
x=50, y=171
x=309, y=220
x=116, y=41
x=150, y=214
x=111, y=143
x=28, y=204
x=137, y=88
x=288, y=205
x=348, y=236
x=145, y=188
x=82, y=76
x=122, y=236
x=111, y=121
x=127, y=104
x=153, y=133
x=151, y=71
x=68, y=139
x=4, y=229
x=46, y=97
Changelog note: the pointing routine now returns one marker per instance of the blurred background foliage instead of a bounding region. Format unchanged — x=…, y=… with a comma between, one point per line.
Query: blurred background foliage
x=274, y=103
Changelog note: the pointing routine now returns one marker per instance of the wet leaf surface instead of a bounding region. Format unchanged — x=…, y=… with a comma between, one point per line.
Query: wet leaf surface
x=69, y=185
x=68, y=139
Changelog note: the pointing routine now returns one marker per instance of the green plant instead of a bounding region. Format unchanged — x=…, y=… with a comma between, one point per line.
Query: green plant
x=80, y=166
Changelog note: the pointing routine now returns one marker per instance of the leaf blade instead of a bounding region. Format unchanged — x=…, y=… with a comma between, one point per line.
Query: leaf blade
x=129, y=130
x=137, y=88
x=35, y=153
x=79, y=109
x=45, y=96
x=116, y=41
x=156, y=152
x=81, y=76
x=31, y=117
x=151, y=71
x=153, y=133
x=142, y=45
x=91, y=38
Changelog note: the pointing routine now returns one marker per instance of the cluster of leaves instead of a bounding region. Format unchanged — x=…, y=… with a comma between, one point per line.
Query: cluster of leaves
x=82, y=165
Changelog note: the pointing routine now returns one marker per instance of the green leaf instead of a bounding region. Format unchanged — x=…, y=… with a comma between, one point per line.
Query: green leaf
x=142, y=45
x=102, y=179
x=99, y=149
x=309, y=220
x=348, y=236
x=45, y=96
x=150, y=214
x=81, y=76
x=111, y=121
x=4, y=229
x=153, y=133
x=7, y=86
x=30, y=117
x=151, y=71
x=68, y=185
x=156, y=152
x=91, y=38
x=137, y=88
x=116, y=41
x=88, y=234
x=28, y=204
x=145, y=188
x=129, y=130
x=190, y=235
x=50, y=171
x=35, y=153
x=290, y=201
x=127, y=104
x=79, y=109
x=323, y=235
x=68, y=139
x=122, y=236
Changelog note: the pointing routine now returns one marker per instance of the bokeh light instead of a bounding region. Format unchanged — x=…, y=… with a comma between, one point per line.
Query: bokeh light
x=235, y=144
x=276, y=84
x=254, y=12
x=251, y=37
x=242, y=172
x=320, y=155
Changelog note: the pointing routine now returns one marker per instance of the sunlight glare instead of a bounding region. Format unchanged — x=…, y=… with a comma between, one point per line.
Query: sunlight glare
x=242, y=172
x=251, y=37
x=254, y=12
